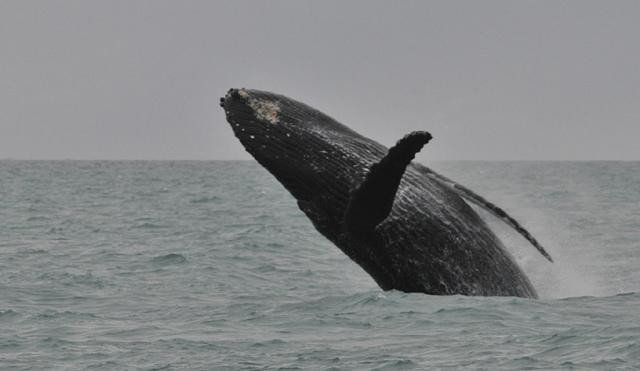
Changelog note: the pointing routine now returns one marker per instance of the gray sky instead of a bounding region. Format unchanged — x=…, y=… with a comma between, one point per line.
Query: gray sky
x=512, y=80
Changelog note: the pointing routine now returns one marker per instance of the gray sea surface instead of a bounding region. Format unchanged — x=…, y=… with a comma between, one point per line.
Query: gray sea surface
x=210, y=265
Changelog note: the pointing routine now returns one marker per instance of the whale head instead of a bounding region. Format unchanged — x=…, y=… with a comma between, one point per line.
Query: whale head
x=317, y=159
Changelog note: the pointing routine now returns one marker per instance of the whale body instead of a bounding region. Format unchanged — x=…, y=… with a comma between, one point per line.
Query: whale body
x=407, y=226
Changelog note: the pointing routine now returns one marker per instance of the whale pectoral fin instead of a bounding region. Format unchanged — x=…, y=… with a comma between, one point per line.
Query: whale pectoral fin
x=371, y=202
x=490, y=207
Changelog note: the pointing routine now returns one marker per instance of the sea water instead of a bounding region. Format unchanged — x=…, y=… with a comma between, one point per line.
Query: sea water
x=210, y=265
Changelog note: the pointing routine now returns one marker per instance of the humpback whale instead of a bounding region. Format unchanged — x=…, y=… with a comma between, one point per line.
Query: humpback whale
x=410, y=228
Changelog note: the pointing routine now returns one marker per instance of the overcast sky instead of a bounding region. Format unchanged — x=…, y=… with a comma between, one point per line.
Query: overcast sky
x=491, y=80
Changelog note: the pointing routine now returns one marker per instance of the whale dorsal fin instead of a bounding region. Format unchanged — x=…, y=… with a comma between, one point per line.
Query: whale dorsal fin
x=490, y=207
x=371, y=202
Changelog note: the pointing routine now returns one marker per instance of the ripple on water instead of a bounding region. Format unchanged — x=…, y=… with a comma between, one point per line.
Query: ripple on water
x=51, y=314
x=71, y=279
x=205, y=199
x=168, y=259
x=7, y=314
x=148, y=225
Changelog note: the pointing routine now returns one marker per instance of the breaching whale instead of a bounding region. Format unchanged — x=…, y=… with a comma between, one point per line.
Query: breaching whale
x=404, y=224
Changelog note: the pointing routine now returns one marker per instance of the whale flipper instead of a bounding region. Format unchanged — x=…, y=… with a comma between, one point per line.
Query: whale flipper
x=371, y=202
x=492, y=208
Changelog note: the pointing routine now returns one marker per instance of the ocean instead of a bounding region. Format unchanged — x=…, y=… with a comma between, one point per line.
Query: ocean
x=188, y=265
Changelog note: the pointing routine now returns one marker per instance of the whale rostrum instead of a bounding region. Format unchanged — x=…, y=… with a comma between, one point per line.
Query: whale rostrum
x=407, y=226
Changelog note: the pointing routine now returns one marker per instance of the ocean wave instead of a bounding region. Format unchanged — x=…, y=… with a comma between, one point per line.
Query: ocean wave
x=7, y=314
x=169, y=259
x=52, y=314
x=149, y=225
x=71, y=279
x=205, y=200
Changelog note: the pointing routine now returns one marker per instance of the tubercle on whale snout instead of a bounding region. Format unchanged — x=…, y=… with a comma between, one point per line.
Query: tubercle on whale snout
x=231, y=93
x=242, y=95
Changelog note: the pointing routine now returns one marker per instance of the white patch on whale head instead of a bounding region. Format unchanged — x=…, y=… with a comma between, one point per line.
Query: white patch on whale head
x=264, y=110
x=243, y=93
